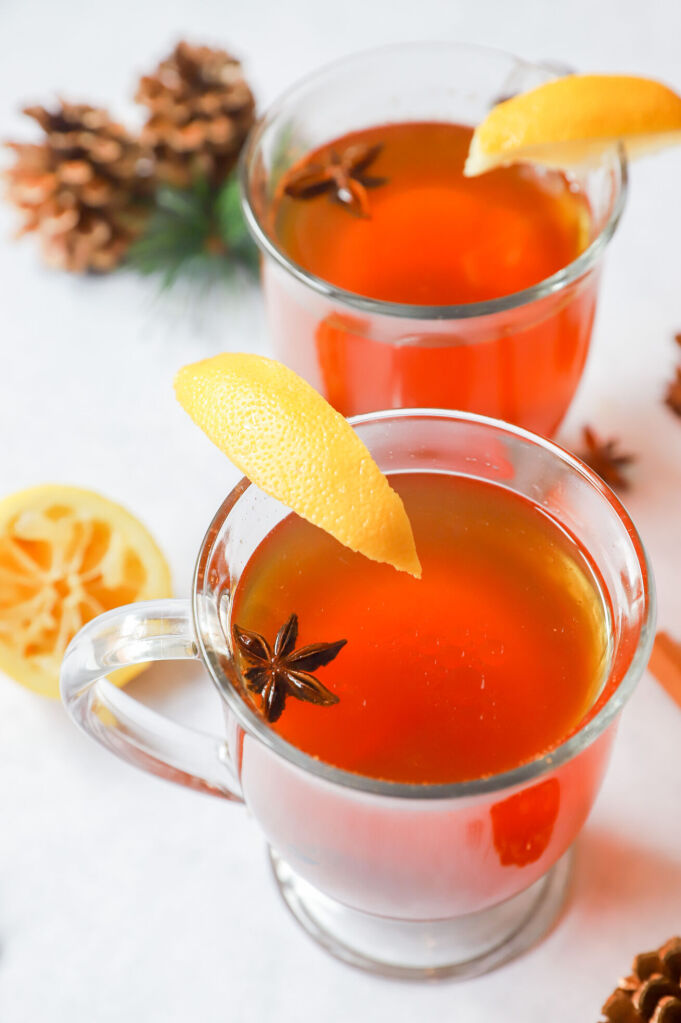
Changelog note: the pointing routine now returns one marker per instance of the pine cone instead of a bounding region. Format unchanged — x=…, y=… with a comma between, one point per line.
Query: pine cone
x=201, y=111
x=652, y=992
x=79, y=187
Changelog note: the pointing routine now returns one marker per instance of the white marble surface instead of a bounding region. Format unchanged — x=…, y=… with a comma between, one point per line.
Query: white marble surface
x=126, y=898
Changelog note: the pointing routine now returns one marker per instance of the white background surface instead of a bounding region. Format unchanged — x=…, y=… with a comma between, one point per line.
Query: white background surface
x=123, y=897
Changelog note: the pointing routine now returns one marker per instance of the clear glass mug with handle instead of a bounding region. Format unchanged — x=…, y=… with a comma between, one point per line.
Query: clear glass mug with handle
x=518, y=357
x=404, y=880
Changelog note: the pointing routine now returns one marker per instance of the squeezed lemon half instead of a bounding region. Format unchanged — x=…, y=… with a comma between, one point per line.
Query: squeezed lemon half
x=67, y=555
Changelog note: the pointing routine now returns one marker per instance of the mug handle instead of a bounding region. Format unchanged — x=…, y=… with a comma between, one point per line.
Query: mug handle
x=155, y=630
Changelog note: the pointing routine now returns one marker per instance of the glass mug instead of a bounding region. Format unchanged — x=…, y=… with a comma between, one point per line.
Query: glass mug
x=406, y=880
x=519, y=357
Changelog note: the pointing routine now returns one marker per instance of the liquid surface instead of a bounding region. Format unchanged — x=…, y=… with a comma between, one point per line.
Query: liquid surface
x=488, y=661
x=433, y=236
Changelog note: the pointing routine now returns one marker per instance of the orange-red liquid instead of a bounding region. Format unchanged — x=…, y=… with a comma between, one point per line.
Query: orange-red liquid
x=434, y=237
x=488, y=661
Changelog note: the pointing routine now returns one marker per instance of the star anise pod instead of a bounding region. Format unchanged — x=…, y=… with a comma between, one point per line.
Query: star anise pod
x=280, y=671
x=672, y=398
x=341, y=175
x=605, y=459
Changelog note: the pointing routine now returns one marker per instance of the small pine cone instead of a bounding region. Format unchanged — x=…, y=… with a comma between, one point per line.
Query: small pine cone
x=201, y=110
x=672, y=398
x=652, y=993
x=79, y=188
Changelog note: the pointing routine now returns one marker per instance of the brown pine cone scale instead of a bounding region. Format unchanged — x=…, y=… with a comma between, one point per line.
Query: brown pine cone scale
x=78, y=187
x=652, y=992
x=200, y=111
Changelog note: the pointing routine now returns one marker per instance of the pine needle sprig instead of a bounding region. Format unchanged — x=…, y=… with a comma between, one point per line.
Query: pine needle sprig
x=198, y=232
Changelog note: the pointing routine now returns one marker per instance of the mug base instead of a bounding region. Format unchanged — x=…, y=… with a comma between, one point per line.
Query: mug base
x=458, y=948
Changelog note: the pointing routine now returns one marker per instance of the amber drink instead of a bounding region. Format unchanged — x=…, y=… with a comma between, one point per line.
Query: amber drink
x=391, y=279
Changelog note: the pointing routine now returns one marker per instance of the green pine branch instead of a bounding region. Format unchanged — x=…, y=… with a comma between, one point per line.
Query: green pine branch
x=198, y=232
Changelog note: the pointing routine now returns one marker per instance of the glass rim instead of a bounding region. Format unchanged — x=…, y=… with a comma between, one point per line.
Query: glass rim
x=462, y=311
x=257, y=727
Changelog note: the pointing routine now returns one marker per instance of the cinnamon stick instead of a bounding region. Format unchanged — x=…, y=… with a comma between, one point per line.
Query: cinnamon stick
x=665, y=665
